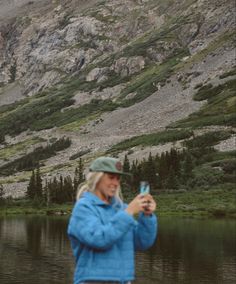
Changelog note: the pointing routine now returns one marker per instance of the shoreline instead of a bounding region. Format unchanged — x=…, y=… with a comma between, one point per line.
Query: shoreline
x=219, y=203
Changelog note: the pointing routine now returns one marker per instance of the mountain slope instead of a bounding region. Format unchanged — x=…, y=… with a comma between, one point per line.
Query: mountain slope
x=101, y=72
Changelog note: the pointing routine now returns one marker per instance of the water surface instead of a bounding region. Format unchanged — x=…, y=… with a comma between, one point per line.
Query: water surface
x=36, y=250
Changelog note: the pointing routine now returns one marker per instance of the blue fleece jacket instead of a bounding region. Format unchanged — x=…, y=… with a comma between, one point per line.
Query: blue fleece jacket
x=104, y=237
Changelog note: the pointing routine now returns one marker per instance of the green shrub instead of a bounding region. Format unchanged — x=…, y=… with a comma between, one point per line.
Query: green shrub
x=198, y=86
x=205, y=177
x=229, y=73
x=207, y=139
x=31, y=160
x=204, y=92
x=152, y=139
x=79, y=154
x=228, y=166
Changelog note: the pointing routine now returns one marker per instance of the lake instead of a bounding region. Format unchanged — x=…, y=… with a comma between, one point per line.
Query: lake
x=36, y=250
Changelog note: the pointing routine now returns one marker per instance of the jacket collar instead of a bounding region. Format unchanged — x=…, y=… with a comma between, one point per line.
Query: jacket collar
x=95, y=199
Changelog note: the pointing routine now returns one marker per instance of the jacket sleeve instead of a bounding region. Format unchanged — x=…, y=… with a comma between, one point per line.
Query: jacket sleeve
x=145, y=231
x=88, y=228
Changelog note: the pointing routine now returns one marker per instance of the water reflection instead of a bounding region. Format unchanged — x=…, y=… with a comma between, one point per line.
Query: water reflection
x=33, y=236
x=36, y=250
x=191, y=251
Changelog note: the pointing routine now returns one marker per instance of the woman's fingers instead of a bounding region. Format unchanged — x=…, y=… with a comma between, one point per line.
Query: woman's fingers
x=150, y=204
x=141, y=203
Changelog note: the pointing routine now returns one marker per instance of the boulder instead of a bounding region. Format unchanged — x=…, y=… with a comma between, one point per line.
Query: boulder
x=97, y=74
x=128, y=66
x=81, y=27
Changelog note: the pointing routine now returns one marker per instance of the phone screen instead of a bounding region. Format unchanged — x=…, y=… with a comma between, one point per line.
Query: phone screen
x=144, y=187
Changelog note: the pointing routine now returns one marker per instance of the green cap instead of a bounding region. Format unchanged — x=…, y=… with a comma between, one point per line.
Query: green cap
x=107, y=165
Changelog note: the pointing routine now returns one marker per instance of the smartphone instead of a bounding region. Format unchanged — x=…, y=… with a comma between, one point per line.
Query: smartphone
x=144, y=187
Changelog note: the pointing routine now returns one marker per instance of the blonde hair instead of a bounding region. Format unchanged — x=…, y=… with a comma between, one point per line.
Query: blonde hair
x=90, y=185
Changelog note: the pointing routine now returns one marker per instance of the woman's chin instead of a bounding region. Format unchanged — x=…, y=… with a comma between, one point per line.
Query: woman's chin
x=112, y=194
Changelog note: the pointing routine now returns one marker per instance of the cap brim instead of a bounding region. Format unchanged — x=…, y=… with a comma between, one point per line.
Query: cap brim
x=120, y=173
x=113, y=172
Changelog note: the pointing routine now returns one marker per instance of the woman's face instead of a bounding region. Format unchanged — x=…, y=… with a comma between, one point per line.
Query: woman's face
x=107, y=186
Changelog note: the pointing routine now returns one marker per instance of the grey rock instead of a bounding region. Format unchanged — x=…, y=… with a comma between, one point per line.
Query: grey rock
x=97, y=74
x=128, y=66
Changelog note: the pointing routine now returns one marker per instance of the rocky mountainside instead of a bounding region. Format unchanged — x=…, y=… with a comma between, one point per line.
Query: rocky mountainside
x=101, y=72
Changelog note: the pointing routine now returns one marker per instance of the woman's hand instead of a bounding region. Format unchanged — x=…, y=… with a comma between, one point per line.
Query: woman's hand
x=142, y=203
x=136, y=205
x=151, y=205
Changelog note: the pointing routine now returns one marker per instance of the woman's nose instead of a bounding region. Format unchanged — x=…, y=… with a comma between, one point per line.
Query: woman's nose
x=116, y=181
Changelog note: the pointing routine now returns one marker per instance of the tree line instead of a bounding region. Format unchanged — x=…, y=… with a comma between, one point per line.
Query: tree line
x=169, y=170
x=56, y=190
x=173, y=170
x=31, y=160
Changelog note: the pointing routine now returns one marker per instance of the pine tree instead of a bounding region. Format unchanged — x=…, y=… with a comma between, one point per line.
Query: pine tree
x=46, y=195
x=2, y=138
x=163, y=169
x=135, y=170
x=60, y=191
x=38, y=185
x=68, y=189
x=187, y=167
x=174, y=160
x=1, y=194
x=31, y=187
x=76, y=181
x=81, y=171
x=157, y=165
x=151, y=171
x=53, y=190
x=171, y=182
x=126, y=183
x=50, y=191
x=78, y=176
x=126, y=164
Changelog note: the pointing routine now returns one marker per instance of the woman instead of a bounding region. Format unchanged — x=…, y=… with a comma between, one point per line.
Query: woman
x=102, y=229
